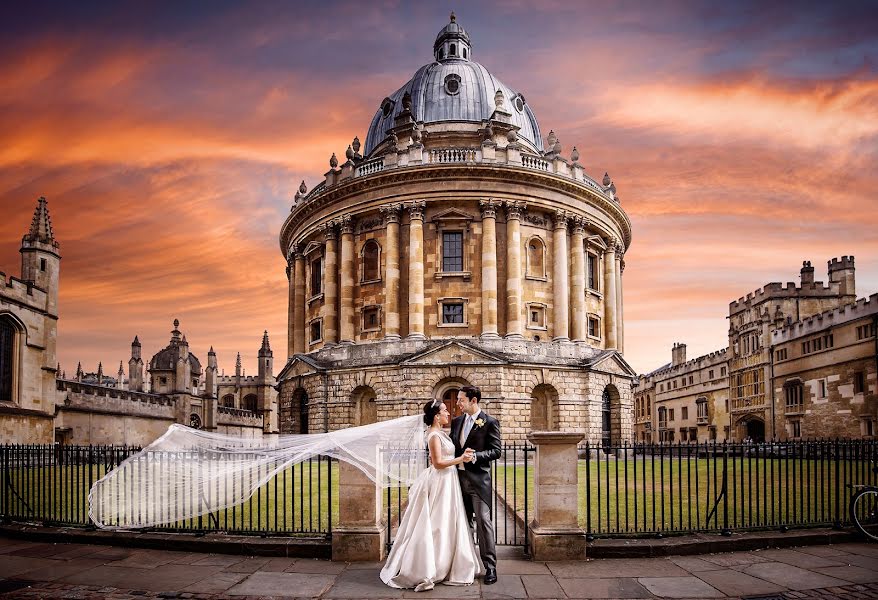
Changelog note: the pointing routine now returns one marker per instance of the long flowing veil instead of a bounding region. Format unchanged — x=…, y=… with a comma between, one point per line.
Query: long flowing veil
x=187, y=472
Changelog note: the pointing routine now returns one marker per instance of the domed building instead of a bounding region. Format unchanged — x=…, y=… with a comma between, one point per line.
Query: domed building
x=457, y=249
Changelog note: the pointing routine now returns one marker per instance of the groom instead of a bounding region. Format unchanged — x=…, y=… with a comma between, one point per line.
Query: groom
x=477, y=430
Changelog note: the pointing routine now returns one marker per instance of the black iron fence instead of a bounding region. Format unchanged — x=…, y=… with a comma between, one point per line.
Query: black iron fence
x=50, y=484
x=680, y=488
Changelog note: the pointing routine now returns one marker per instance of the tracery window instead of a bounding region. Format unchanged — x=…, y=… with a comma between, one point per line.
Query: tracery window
x=7, y=356
x=793, y=396
x=250, y=402
x=229, y=401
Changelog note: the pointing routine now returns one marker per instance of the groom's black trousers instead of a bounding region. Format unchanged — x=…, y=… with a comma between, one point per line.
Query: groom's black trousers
x=473, y=503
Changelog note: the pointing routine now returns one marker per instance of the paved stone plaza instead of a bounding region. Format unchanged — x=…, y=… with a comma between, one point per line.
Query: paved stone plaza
x=43, y=570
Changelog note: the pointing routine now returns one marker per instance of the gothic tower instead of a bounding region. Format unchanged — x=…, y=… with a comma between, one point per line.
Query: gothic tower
x=41, y=257
x=135, y=367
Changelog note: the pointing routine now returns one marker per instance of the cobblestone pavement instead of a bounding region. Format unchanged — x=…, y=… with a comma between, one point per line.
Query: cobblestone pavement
x=81, y=571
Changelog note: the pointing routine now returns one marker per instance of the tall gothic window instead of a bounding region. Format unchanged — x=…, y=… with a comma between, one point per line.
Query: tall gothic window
x=371, y=261
x=229, y=401
x=452, y=251
x=250, y=402
x=7, y=355
x=606, y=419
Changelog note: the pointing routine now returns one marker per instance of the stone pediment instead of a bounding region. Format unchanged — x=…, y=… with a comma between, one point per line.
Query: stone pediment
x=312, y=247
x=454, y=353
x=452, y=214
x=595, y=240
x=296, y=368
x=612, y=362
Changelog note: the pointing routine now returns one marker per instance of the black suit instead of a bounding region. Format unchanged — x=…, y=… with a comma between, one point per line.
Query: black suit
x=475, y=477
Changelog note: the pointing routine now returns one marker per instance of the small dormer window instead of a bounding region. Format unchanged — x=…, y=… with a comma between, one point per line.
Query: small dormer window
x=453, y=50
x=452, y=84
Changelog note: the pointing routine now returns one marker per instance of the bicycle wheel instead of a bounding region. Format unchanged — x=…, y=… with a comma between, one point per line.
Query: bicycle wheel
x=864, y=512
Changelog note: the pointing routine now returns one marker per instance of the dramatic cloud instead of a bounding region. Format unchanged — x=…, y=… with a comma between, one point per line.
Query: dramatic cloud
x=743, y=139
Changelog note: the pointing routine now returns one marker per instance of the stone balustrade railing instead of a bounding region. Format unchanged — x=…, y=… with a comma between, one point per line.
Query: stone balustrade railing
x=417, y=155
x=236, y=412
x=90, y=389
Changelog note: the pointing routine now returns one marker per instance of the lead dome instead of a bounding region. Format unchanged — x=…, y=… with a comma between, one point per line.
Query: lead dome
x=453, y=89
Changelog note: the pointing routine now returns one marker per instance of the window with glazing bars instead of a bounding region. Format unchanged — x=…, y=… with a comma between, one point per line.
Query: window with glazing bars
x=452, y=251
x=592, y=272
x=452, y=313
x=7, y=337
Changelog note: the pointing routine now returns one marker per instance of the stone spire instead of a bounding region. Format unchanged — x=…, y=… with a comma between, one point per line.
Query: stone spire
x=79, y=371
x=175, y=334
x=100, y=373
x=40, y=227
x=238, y=365
x=266, y=348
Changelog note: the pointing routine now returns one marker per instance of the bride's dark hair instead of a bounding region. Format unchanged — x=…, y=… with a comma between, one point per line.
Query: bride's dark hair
x=431, y=409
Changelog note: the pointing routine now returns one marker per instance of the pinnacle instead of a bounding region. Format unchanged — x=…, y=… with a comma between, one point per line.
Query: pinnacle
x=41, y=225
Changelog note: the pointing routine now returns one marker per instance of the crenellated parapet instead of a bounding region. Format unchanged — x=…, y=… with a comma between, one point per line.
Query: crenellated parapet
x=23, y=292
x=864, y=307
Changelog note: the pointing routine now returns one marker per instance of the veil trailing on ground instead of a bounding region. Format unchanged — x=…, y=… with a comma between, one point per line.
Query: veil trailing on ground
x=188, y=472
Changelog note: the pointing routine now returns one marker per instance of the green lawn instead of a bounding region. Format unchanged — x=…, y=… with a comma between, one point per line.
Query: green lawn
x=677, y=494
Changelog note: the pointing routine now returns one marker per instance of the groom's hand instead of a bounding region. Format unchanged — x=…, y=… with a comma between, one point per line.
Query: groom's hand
x=469, y=455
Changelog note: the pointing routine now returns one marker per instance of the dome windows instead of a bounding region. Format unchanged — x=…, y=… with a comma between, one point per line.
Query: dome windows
x=453, y=50
x=452, y=84
x=518, y=103
x=386, y=107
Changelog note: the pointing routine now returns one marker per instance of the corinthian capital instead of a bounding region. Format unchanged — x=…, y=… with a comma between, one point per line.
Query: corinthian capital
x=561, y=217
x=489, y=208
x=612, y=243
x=515, y=208
x=416, y=209
x=328, y=229
x=390, y=212
x=346, y=223
x=578, y=222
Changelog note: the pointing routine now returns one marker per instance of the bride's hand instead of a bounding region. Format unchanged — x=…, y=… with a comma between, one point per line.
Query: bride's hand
x=469, y=455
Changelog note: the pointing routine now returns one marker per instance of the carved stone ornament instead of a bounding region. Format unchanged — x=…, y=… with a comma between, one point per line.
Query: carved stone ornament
x=557, y=147
x=328, y=230
x=489, y=133
x=611, y=243
x=356, y=145
x=346, y=223
x=606, y=180
x=552, y=139
x=349, y=153
x=390, y=212
x=574, y=156
x=578, y=223
x=560, y=219
x=393, y=139
x=499, y=99
x=535, y=218
x=416, y=133
x=407, y=101
x=515, y=208
x=303, y=189
x=416, y=209
x=333, y=161
x=489, y=208
x=511, y=136
x=368, y=224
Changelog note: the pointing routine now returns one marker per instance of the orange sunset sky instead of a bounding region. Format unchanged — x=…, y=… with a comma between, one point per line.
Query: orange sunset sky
x=169, y=140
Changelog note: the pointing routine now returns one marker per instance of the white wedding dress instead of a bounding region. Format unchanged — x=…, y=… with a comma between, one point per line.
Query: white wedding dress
x=434, y=543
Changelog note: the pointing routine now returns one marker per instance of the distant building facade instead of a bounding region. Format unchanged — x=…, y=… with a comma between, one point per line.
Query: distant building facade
x=801, y=363
x=39, y=404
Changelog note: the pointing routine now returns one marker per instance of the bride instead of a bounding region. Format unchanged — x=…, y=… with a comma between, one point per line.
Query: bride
x=434, y=544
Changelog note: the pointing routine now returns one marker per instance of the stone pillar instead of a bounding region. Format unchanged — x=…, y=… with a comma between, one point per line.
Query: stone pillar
x=514, y=293
x=330, y=289
x=299, y=299
x=610, y=307
x=359, y=535
x=346, y=319
x=559, y=278
x=390, y=212
x=554, y=532
x=291, y=298
x=416, y=269
x=577, y=289
x=489, y=268
x=620, y=321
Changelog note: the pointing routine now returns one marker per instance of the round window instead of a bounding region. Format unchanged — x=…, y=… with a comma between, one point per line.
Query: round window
x=386, y=108
x=452, y=84
x=519, y=103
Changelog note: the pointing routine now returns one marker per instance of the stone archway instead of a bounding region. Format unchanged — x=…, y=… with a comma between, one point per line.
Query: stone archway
x=751, y=427
x=544, y=412
x=446, y=390
x=293, y=415
x=364, y=406
x=611, y=417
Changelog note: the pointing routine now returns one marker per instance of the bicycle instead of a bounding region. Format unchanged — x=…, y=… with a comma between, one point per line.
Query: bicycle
x=864, y=508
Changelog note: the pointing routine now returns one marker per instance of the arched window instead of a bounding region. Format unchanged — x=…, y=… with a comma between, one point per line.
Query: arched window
x=464, y=52
x=293, y=412
x=228, y=401
x=250, y=402
x=441, y=53
x=365, y=406
x=7, y=358
x=536, y=258
x=606, y=420
x=544, y=408
x=371, y=261
x=453, y=50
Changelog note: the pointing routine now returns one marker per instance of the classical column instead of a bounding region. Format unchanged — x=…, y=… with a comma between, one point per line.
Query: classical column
x=346, y=326
x=620, y=321
x=577, y=287
x=330, y=289
x=416, y=269
x=291, y=307
x=489, y=268
x=390, y=212
x=514, y=294
x=560, y=288
x=299, y=300
x=610, y=294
